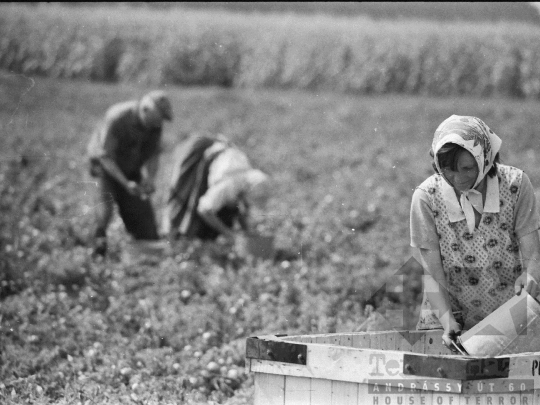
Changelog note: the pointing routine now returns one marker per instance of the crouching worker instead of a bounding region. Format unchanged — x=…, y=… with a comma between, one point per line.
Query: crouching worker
x=124, y=157
x=474, y=227
x=212, y=187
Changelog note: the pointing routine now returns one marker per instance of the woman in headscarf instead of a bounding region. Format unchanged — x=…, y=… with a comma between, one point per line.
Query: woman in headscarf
x=474, y=228
x=213, y=185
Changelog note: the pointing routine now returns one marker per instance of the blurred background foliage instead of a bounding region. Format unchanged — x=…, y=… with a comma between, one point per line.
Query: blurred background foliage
x=480, y=49
x=443, y=11
x=172, y=329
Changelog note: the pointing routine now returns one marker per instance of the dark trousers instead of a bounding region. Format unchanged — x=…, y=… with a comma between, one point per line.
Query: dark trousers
x=137, y=214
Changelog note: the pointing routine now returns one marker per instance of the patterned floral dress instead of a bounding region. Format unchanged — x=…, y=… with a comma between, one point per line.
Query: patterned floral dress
x=480, y=267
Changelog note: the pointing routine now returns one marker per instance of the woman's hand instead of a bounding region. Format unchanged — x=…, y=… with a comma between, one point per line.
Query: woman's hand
x=529, y=246
x=527, y=282
x=241, y=241
x=451, y=332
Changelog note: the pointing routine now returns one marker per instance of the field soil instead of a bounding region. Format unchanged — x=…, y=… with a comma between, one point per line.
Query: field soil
x=171, y=329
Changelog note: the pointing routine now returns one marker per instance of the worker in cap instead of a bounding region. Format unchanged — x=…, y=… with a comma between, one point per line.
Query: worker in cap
x=124, y=157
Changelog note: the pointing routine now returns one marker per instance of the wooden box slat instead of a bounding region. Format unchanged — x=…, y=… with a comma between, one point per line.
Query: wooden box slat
x=361, y=341
x=352, y=368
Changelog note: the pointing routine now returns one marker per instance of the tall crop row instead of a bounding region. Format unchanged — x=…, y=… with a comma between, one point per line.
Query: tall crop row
x=317, y=53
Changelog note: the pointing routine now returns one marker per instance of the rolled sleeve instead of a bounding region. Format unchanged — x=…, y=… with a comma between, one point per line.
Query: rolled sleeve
x=526, y=216
x=111, y=140
x=104, y=141
x=423, y=228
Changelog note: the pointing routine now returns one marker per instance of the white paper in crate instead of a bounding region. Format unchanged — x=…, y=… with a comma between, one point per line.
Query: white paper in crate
x=512, y=328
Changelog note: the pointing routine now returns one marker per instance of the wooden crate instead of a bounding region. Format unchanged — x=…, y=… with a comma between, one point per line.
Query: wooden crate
x=381, y=368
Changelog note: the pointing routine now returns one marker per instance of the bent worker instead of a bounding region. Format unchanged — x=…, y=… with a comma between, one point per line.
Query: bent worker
x=124, y=157
x=474, y=224
x=212, y=187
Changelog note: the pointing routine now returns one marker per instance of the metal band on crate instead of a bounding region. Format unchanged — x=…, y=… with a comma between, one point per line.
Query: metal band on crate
x=275, y=350
x=456, y=368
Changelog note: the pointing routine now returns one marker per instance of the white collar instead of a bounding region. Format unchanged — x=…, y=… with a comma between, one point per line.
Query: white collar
x=455, y=213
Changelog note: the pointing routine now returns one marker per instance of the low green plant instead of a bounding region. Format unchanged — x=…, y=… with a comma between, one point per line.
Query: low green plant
x=172, y=329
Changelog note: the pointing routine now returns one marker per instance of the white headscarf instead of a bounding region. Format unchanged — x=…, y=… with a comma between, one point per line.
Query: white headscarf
x=475, y=136
x=257, y=184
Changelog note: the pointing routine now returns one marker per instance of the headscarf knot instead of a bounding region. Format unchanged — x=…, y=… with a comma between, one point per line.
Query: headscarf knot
x=476, y=137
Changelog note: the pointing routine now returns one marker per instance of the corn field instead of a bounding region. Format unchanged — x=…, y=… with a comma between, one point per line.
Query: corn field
x=285, y=51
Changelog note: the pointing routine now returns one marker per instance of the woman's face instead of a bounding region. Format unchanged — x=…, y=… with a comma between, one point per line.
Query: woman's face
x=466, y=173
